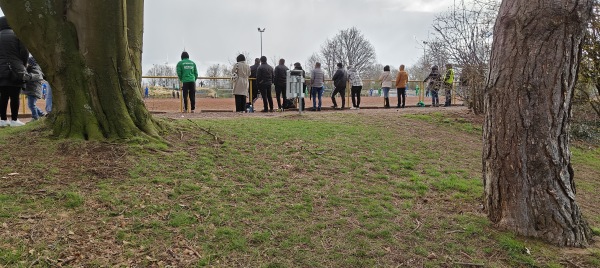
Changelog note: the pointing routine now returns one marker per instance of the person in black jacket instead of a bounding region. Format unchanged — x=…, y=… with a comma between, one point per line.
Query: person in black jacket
x=279, y=79
x=13, y=74
x=264, y=79
x=253, y=83
x=339, y=82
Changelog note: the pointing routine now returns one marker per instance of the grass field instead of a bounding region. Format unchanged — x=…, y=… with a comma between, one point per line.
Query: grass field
x=319, y=190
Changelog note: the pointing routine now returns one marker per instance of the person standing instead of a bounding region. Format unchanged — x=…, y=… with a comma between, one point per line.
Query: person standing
x=241, y=73
x=317, y=81
x=435, y=80
x=279, y=79
x=13, y=59
x=386, y=84
x=264, y=78
x=48, y=98
x=33, y=88
x=448, y=82
x=253, y=83
x=188, y=73
x=340, y=78
x=357, y=85
x=401, y=81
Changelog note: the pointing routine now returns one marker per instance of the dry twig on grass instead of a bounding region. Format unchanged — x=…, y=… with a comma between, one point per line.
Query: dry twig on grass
x=418, y=226
x=315, y=153
x=207, y=131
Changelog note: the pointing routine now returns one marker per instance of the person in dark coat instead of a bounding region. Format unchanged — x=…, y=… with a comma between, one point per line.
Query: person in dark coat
x=264, y=79
x=279, y=79
x=339, y=82
x=254, y=85
x=13, y=73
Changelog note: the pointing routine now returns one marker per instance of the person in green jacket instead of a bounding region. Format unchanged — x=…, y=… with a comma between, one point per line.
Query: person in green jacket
x=448, y=82
x=188, y=73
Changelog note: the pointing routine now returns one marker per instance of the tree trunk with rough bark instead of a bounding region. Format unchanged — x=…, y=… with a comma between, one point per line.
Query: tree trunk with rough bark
x=529, y=186
x=90, y=52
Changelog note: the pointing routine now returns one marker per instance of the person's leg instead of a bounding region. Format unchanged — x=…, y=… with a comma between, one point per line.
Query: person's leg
x=193, y=95
x=39, y=111
x=353, y=96
x=263, y=95
x=313, y=95
x=335, y=91
x=31, y=105
x=284, y=94
x=3, y=103
x=358, y=90
x=386, y=96
x=343, y=95
x=270, y=98
x=278, y=96
x=448, y=97
x=185, y=97
x=403, y=97
x=321, y=90
x=49, y=99
x=14, y=102
x=398, y=90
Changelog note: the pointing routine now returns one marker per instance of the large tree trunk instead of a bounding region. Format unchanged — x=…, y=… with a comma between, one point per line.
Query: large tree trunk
x=90, y=52
x=528, y=178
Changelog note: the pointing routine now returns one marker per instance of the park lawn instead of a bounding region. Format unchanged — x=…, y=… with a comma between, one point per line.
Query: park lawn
x=319, y=190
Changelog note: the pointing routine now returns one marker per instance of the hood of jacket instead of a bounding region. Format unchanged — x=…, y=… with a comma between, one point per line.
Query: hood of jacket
x=4, y=23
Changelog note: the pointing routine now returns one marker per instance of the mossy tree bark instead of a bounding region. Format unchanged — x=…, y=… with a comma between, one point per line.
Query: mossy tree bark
x=90, y=52
x=529, y=186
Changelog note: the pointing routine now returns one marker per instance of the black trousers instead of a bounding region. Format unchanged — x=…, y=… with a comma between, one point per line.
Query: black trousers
x=265, y=92
x=189, y=88
x=255, y=90
x=355, y=91
x=12, y=94
x=401, y=97
x=240, y=103
x=279, y=91
x=342, y=92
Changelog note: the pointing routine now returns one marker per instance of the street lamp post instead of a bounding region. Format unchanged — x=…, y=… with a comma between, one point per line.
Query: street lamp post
x=261, y=32
x=424, y=48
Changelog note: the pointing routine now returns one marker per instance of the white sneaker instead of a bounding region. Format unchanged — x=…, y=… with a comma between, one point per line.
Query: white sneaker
x=4, y=123
x=16, y=123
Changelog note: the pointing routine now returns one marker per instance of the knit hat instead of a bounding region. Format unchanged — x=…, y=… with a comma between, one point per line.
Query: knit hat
x=185, y=55
x=240, y=57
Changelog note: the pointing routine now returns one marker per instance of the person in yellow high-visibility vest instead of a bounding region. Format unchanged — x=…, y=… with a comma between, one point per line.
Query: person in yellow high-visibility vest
x=448, y=81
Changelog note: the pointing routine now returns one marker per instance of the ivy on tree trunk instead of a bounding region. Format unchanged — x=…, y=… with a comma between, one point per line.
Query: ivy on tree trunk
x=90, y=52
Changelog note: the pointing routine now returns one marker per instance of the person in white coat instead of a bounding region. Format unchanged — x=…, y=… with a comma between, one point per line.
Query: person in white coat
x=240, y=75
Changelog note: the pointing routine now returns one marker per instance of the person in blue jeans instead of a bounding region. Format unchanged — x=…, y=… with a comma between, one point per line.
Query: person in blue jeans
x=33, y=88
x=317, y=80
x=48, y=98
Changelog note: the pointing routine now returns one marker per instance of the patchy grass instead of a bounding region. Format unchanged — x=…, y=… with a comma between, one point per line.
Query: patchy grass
x=319, y=190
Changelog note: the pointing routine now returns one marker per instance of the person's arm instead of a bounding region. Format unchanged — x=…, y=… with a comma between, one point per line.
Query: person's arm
x=178, y=69
x=195, y=72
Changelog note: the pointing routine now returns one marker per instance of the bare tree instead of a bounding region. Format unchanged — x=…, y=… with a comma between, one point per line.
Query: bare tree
x=348, y=47
x=528, y=178
x=162, y=70
x=214, y=70
x=463, y=36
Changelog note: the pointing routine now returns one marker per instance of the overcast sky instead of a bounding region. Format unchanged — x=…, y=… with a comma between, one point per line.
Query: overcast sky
x=216, y=31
